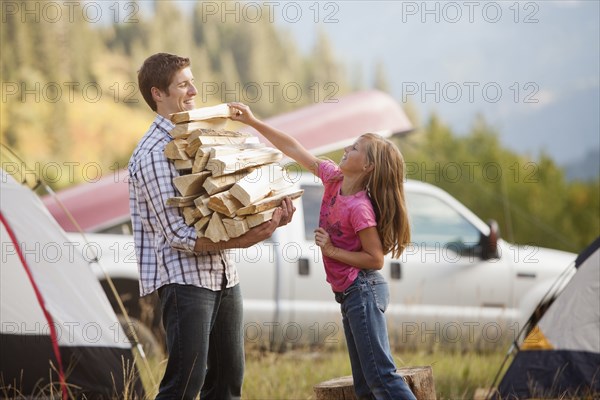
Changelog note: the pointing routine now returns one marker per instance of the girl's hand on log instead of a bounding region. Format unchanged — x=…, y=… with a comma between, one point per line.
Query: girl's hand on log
x=241, y=113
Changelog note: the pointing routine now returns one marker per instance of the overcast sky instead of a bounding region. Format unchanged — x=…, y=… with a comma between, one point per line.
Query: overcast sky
x=531, y=68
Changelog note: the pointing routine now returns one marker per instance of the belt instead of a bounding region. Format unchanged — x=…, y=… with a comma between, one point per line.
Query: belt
x=340, y=296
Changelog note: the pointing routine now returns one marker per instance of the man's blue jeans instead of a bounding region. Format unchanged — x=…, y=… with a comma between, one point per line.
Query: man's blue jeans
x=373, y=368
x=205, y=342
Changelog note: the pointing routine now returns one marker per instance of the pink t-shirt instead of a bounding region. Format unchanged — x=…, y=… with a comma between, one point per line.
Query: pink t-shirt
x=342, y=217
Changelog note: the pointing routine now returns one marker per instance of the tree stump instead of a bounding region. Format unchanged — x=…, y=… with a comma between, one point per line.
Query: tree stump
x=418, y=379
x=336, y=389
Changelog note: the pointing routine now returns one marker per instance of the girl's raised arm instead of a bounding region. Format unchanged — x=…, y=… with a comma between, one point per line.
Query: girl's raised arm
x=287, y=144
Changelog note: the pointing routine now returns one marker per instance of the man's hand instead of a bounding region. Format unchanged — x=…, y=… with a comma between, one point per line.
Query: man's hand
x=262, y=231
x=282, y=216
x=250, y=238
x=288, y=210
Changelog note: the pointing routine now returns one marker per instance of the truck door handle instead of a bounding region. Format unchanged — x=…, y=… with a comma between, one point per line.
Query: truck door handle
x=396, y=270
x=303, y=267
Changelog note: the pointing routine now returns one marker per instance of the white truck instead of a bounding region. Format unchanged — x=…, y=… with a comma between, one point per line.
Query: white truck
x=457, y=283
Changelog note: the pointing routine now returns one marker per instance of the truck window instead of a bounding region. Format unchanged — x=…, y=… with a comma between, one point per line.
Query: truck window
x=435, y=223
x=311, y=204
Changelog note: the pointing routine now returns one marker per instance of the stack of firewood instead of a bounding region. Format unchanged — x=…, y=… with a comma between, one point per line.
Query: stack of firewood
x=229, y=182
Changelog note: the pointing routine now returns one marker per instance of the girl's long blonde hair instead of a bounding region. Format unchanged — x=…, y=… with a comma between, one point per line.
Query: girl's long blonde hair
x=385, y=185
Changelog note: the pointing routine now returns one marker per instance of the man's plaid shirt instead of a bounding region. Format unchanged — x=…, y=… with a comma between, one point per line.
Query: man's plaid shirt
x=164, y=244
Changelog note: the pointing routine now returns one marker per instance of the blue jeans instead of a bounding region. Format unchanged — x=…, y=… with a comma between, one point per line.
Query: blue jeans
x=373, y=368
x=205, y=342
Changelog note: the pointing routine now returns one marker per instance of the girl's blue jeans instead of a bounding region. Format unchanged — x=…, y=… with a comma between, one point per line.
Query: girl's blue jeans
x=363, y=305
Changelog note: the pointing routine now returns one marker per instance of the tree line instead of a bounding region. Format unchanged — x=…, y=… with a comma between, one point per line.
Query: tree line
x=69, y=85
x=531, y=199
x=70, y=104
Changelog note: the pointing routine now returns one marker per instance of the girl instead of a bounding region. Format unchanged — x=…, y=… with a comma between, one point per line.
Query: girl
x=363, y=216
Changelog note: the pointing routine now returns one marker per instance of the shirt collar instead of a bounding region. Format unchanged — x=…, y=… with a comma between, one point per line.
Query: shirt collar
x=163, y=123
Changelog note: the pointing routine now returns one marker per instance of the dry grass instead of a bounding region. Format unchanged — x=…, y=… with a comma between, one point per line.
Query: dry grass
x=292, y=374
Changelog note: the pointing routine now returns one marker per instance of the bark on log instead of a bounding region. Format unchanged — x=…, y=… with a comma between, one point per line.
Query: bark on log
x=419, y=380
x=184, y=130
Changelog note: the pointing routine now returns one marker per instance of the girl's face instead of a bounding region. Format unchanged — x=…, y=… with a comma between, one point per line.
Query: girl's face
x=355, y=157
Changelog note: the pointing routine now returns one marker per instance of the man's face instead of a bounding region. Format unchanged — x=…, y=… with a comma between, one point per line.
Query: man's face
x=181, y=94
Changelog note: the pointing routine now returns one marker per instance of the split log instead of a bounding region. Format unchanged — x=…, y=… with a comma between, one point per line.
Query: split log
x=191, y=215
x=191, y=184
x=205, y=153
x=181, y=201
x=202, y=156
x=257, y=219
x=260, y=184
x=192, y=146
x=201, y=202
x=201, y=137
x=215, y=231
x=181, y=165
x=223, y=150
x=211, y=161
x=269, y=202
x=175, y=150
x=203, y=113
x=201, y=225
x=216, y=137
x=200, y=161
x=215, y=132
x=183, y=130
x=245, y=159
x=418, y=379
x=216, y=184
x=235, y=227
x=224, y=203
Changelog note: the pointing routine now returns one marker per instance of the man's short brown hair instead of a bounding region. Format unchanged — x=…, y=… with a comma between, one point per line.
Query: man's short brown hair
x=158, y=71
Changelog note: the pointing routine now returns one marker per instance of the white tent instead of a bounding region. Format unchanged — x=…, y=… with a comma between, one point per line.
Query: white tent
x=560, y=358
x=58, y=331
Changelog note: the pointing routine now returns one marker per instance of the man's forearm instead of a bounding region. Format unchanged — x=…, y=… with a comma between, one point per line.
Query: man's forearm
x=254, y=235
x=204, y=245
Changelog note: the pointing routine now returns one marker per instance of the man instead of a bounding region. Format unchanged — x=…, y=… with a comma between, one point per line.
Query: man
x=196, y=280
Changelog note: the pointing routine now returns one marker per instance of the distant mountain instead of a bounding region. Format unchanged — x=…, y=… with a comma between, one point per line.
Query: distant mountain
x=586, y=168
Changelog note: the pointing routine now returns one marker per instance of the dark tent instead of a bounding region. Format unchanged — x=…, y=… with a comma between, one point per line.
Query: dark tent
x=560, y=358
